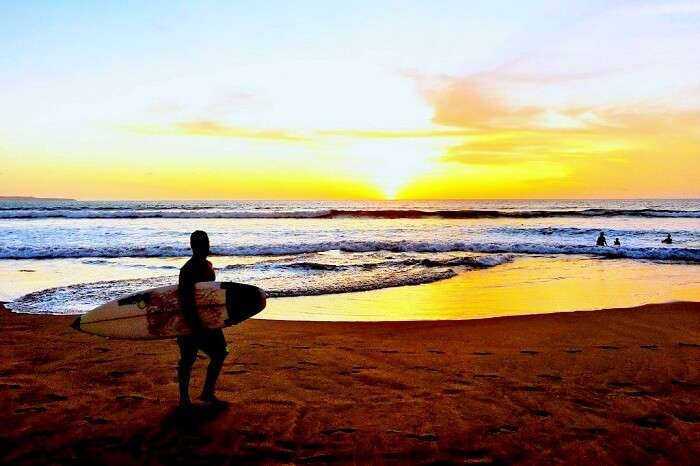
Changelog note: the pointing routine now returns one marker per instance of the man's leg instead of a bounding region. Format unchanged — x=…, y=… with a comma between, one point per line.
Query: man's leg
x=188, y=355
x=217, y=350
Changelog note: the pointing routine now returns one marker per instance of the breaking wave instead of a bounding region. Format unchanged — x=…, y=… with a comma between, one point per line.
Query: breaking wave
x=208, y=212
x=649, y=253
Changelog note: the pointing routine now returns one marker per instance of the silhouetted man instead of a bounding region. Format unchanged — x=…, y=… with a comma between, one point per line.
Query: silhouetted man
x=617, y=242
x=601, y=240
x=211, y=341
x=668, y=240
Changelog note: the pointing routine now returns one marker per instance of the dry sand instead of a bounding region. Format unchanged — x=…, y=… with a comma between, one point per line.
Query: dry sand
x=608, y=387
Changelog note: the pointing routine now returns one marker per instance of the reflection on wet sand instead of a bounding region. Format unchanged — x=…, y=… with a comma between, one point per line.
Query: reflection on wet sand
x=529, y=285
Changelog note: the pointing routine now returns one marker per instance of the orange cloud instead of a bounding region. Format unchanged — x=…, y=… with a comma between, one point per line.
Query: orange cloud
x=558, y=151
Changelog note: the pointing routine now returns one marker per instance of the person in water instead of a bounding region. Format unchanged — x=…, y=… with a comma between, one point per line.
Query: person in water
x=210, y=341
x=601, y=240
x=668, y=239
x=617, y=242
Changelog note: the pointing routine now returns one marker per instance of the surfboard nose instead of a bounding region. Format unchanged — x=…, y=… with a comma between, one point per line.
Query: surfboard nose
x=76, y=324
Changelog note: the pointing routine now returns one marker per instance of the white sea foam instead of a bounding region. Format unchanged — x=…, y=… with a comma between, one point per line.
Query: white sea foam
x=649, y=253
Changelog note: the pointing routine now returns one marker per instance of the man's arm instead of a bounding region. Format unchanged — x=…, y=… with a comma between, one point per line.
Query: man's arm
x=187, y=302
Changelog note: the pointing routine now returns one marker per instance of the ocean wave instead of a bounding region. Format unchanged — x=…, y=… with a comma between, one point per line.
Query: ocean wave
x=674, y=253
x=208, y=212
x=80, y=298
x=472, y=262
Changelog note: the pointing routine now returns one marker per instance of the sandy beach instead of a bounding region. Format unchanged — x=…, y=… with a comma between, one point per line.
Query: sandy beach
x=604, y=387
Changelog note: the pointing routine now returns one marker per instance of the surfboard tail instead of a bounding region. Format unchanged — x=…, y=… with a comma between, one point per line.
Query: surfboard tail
x=76, y=324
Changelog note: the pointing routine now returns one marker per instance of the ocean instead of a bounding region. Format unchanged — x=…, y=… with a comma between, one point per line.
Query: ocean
x=66, y=257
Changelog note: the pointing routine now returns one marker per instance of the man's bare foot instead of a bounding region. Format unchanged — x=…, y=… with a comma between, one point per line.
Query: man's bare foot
x=184, y=405
x=211, y=398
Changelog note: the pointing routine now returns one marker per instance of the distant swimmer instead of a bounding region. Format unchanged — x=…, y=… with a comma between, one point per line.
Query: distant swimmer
x=617, y=242
x=601, y=240
x=668, y=239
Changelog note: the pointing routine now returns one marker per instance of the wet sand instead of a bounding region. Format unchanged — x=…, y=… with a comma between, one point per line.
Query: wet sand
x=604, y=387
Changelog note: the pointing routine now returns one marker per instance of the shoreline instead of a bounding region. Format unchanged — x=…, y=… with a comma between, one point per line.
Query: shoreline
x=584, y=387
x=523, y=286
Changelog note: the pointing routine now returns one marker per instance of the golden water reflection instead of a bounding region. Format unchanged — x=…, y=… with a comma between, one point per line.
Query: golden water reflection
x=529, y=285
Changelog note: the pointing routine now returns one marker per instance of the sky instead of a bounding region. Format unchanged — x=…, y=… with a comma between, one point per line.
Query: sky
x=350, y=100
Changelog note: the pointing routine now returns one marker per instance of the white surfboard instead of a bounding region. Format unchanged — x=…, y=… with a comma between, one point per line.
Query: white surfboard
x=156, y=313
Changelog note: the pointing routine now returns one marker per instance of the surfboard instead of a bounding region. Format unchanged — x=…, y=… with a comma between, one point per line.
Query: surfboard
x=157, y=314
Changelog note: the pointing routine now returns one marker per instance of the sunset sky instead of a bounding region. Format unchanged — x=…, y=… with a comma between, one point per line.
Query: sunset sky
x=323, y=100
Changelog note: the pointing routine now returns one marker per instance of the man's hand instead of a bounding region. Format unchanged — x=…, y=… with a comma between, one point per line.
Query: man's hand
x=189, y=310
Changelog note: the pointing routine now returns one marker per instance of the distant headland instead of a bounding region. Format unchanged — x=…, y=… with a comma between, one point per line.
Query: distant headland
x=32, y=198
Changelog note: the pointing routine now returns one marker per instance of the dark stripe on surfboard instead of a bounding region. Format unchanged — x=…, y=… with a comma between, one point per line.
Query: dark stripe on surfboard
x=138, y=316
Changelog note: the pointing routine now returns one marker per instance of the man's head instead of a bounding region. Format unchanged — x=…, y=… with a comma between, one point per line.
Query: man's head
x=199, y=242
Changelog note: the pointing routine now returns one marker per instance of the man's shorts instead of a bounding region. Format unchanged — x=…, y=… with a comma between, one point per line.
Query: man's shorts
x=212, y=343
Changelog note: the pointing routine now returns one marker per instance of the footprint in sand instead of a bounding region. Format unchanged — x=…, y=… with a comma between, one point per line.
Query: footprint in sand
x=503, y=429
x=608, y=347
x=119, y=374
x=389, y=351
x=685, y=384
x=236, y=371
x=307, y=363
x=686, y=344
x=252, y=435
x=585, y=404
x=573, y=350
x=103, y=361
x=291, y=368
x=649, y=347
x=358, y=369
x=653, y=421
x=96, y=421
x=130, y=398
x=423, y=437
x=640, y=393
x=424, y=368
x=541, y=413
x=102, y=350
x=529, y=352
x=339, y=430
x=689, y=417
x=482, y=353
x=30, y=409
x=301, y=347
x=620, y=384
x=550, y=377
x=55, y=397
x=589, y=431
x=529, y=388
x=434, y=351
x=487, y=376
x=10, y=386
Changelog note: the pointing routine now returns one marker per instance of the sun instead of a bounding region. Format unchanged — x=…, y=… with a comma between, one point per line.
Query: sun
x=391, y=165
